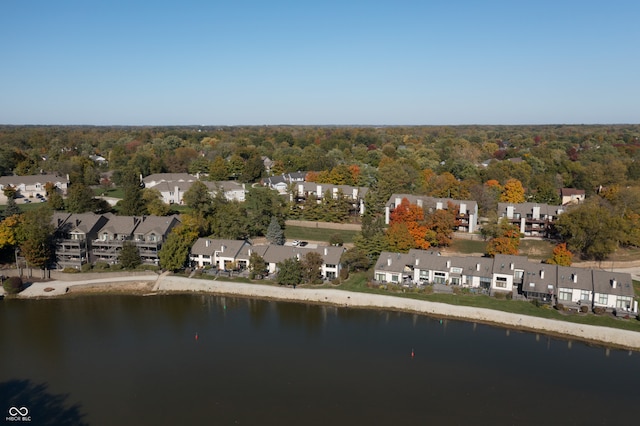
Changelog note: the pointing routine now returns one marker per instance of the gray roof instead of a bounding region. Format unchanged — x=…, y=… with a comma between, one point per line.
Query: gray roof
x=393, y=262
x=160, y=225
x=430, y=202
x=524, y=209
x=122, y=225
x=276, y=254
x=507, y=264
x=169, y=177
x=208, y=246
x=32, y=179
x=603, y=283
x=568, y=274
x=540, y=278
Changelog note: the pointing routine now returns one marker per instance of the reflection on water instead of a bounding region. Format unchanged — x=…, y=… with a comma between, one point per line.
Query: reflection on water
x=136, y=360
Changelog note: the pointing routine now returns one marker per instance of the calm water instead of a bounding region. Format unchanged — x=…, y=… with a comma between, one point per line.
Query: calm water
x=136, y=361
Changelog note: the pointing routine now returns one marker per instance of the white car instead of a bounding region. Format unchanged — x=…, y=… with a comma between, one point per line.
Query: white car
x=296, y=243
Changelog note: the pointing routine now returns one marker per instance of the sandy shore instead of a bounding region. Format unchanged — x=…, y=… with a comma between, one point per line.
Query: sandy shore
x=171, y=284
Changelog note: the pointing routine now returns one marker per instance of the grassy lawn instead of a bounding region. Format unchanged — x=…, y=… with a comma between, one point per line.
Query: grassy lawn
x=316, y=234
x=536, y=249
x=115, y=192
x=467, y=246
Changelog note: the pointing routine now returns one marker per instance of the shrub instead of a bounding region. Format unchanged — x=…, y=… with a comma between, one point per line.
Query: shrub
x=101, y=266
x=86, y=267
x=599, y=310
x=116, y=267
x=147, y=267
x=12, y=285
x=560, y=307
x=584, y=309
x=335, y=281
x=509, y=296
x=336, y=240
x=69, y=270
x=500, y=295
x=344, y=273
x=535, y=302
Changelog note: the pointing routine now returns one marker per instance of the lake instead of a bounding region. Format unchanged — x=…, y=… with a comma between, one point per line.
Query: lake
x=201, y=359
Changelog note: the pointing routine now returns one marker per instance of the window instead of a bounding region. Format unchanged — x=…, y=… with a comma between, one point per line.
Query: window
x=565, y=294
x=585, y=295
x=501, y=282
x=603, y=299
x=394, y=278
x=329, y=265
x=623, y=302
x=424, y=275
x=380, y=277
x=439, y=277
x=455, y=280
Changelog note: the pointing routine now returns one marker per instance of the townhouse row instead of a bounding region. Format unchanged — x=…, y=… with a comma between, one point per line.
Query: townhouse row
x=89, y=237
x=570, y=286
x=225, y=255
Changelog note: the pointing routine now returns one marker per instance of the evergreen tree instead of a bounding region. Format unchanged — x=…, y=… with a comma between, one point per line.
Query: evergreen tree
x=132, y=204
x=275, y=235
x=129, y=256
x=12, y=209
x=175, y=251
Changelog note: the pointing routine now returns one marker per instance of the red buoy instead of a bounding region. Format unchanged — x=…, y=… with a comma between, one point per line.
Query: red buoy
x=196, y=336
x=412, y=353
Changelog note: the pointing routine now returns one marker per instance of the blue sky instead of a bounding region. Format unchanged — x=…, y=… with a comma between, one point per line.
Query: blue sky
x=324, y=62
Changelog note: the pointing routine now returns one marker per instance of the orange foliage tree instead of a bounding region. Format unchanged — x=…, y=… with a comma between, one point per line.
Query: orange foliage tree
x=412, y=217
x=512, y=192
x=561, y=255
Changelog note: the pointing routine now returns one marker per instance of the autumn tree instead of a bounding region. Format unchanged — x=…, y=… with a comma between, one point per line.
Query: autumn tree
x=506, y=239
x=412, y=217
x=8, y=231
x=154, y=205
x=512, y=192
x=561, y=255
x=310, y=266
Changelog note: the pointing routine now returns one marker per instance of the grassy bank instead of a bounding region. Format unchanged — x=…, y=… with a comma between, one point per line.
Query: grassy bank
x=358, y=283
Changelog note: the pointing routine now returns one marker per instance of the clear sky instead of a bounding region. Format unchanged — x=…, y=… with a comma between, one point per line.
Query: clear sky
x=379, y=62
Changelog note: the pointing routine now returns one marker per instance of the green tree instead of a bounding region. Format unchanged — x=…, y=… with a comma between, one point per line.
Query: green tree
x=80, y=199
x=289, y=272
x=175, y=251
x=198, y=198
x=34, y=236
x=132, y=204
x=129, y=256
x=154, y=205
x=11, y=209
x=10, y=192
x=218, y=169
x=257, y=265
x=592, y=229
x=275, y=234
x=261, y=205
x=252, y=169
x=355, y=260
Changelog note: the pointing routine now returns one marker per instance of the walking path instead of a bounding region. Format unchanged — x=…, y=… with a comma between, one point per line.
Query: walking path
x=167, y=283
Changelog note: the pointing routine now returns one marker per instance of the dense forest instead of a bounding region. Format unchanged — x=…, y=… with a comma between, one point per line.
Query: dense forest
x=482, y=163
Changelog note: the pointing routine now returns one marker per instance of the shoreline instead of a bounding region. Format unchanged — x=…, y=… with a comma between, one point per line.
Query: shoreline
x=147, y=285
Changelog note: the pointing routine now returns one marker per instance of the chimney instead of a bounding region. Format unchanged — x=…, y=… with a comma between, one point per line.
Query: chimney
x=574, y=277
x=419, y=202
x=398, y=201
x=207, y=242
x=448, y=264
x=542, y=273
x=614, y=283
x=511, y=266
x=326, y=251
x=389, y=261
x=477, y=266
x=222, y=247
x=417, y=261
x=249, y=252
